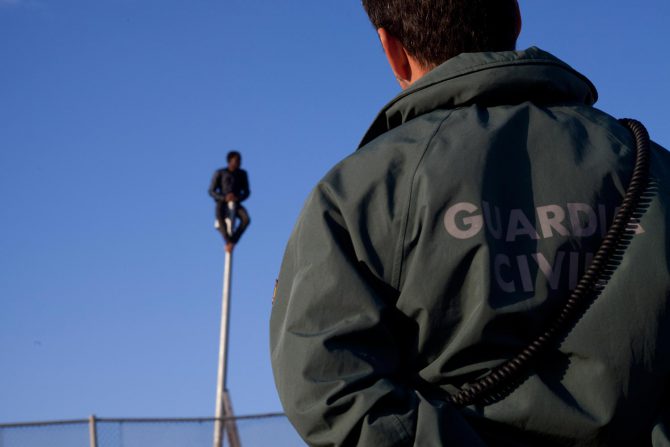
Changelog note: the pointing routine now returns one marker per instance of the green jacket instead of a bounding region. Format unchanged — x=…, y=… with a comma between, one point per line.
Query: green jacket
x=447, y=241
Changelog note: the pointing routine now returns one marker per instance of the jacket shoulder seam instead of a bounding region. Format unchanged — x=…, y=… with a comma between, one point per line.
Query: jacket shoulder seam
x=399, y=253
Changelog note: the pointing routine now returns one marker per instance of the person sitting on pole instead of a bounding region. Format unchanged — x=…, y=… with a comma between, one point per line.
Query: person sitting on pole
x=229, y=187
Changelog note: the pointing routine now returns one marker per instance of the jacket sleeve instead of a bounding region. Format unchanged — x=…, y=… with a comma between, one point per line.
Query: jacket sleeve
x=660, y=434
x=335, y=344
x=245, y=192
x=214, y=187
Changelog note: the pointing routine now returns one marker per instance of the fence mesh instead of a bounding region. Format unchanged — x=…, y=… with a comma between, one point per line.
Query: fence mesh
x=254, y=431
x=61, y=434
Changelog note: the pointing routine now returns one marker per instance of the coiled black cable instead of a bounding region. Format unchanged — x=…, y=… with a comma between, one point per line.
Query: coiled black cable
x=506, y=376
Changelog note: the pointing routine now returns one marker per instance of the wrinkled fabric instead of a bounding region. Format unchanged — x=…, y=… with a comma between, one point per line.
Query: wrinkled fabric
x=447, y=242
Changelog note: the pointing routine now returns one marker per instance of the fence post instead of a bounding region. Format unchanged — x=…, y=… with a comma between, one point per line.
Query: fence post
x=93, y=430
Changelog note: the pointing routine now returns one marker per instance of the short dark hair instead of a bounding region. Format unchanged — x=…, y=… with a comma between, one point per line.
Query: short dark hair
x=232, y=154
x=433, y=31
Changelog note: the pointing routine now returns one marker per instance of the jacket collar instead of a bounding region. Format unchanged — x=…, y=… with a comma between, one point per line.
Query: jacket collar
x=489, y=79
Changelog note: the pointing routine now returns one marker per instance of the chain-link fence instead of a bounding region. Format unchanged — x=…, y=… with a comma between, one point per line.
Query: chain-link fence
x=253, y=431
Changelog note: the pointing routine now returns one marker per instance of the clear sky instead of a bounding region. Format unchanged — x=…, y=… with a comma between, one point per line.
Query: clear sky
x=113, y=116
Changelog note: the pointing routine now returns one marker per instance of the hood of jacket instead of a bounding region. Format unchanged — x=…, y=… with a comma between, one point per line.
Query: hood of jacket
x=489, y=79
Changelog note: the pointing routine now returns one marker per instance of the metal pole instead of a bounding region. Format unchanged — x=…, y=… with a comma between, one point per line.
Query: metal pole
x=93, y=431
x=221, y=389
x=231, y=422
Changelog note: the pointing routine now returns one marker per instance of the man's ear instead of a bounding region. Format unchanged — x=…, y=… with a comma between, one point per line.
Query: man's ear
x=397, y=57
x=518, y=20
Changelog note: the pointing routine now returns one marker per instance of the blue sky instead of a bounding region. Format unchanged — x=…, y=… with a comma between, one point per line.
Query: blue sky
x=113, y=116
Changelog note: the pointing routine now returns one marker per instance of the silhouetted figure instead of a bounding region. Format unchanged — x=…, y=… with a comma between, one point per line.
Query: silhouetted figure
x=229, y=187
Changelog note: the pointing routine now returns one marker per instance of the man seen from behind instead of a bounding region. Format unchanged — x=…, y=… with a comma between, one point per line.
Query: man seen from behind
x=450, y=239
